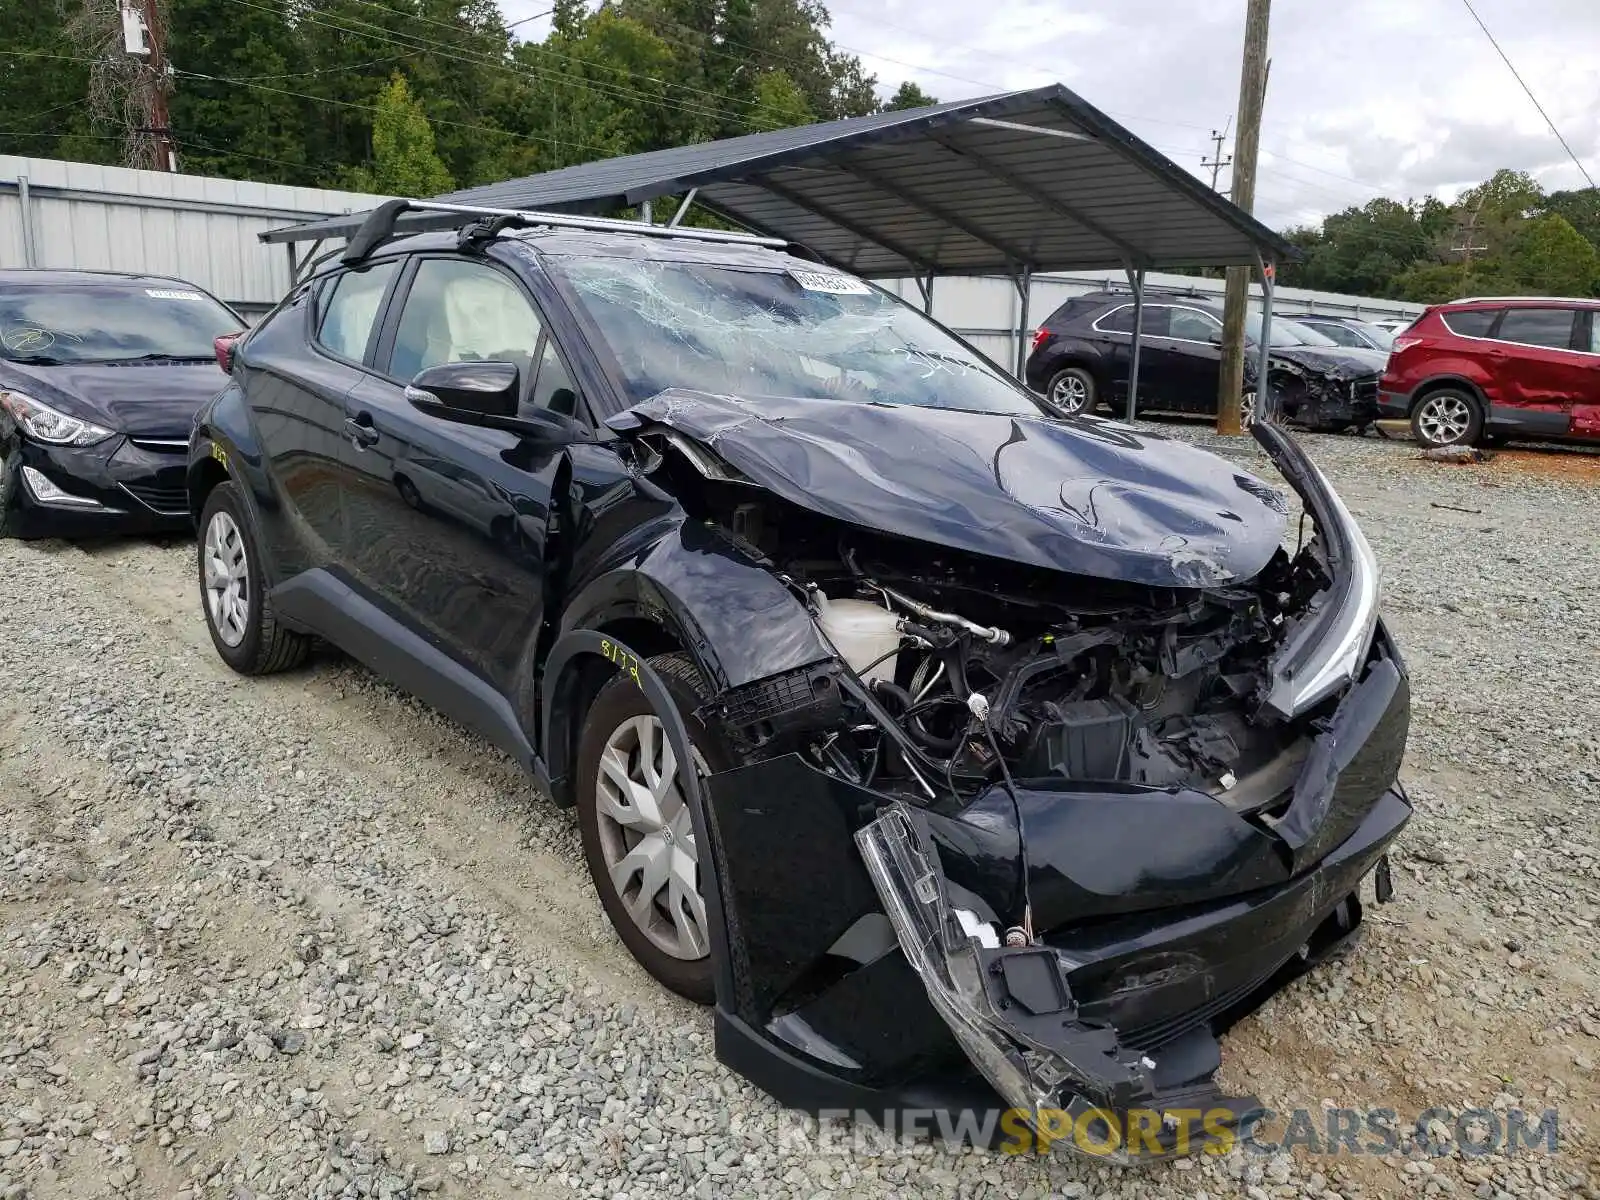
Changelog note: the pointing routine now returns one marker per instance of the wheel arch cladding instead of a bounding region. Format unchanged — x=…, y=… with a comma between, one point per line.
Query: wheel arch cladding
x=204, y=476
x=694, y=591
x=1448, y=383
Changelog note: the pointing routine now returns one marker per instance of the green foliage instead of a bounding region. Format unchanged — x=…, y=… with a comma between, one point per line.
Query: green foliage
x=301, y=91
x=1503, y=237
x=778, y=102
x=910, y=95
x=404, y=162
x=1554, y=258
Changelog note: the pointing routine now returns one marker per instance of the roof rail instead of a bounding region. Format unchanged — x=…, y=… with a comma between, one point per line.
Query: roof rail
x=380, y=225
x=1529, y=299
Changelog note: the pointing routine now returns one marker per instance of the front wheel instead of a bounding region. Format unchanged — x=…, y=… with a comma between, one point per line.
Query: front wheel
x=638, y=835
x=1247, y=409
x=1447, y=418
x=1071, y=392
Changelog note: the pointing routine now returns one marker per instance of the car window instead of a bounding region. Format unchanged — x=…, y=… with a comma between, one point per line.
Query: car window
x=1594, y=333
x=1550, y=327
x=802, y=332
x=1195, y=325
x=113, y=320
x=1118, y=320
x=1155, y=320
x=1334, y=332
x=1471, y=322
x=350, y=309
x=459, y=311
x=553, y=387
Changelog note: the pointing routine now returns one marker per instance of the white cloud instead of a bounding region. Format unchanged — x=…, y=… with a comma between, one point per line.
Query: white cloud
x=1366, y=98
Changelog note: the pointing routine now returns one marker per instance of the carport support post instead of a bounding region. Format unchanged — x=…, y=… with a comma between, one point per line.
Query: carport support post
x=925, y=286
x=1024, y=285
x=1266, y=403
x=1135, y=281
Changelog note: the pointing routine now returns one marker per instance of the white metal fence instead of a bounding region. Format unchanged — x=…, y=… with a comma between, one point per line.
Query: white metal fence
x=63, y=214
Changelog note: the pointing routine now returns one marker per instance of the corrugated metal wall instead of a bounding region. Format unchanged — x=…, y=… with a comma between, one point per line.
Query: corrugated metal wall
x=204, y=230
x=63, y=214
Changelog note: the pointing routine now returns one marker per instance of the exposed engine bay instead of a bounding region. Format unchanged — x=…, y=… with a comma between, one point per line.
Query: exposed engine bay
x=972, y=669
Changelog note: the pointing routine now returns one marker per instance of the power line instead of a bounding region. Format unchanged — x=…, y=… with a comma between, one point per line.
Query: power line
x=1577, y=162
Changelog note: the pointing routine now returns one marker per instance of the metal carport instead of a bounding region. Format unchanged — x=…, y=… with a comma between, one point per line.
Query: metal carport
x=1012, y=185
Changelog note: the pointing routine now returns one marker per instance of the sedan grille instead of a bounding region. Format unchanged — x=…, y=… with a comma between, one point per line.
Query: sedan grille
x=1364, y=391
x=163, y=445
x=168, y=501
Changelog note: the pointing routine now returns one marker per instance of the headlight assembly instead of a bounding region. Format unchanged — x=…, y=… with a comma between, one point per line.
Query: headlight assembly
x=44, y=424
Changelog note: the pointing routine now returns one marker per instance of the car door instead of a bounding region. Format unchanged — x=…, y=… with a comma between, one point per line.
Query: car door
x=447, y=521
x=296, y=374
x=1156, y=357
x=1586, y=412
x=1196, y=336
x=1538, y=367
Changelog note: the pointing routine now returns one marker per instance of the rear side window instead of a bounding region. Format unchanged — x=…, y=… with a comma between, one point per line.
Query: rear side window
x=1550, y=327
x=1118, y=320
x=1470, y=322
x=350, y=309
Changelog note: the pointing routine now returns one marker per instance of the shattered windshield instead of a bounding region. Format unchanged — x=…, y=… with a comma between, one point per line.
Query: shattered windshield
x=812, y=333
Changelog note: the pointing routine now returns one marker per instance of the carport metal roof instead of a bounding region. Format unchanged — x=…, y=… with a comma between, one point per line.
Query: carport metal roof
x=1019, y=183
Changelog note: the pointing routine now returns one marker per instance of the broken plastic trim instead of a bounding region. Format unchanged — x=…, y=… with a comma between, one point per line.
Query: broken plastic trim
x=1326, y=651
x=1036, y=1054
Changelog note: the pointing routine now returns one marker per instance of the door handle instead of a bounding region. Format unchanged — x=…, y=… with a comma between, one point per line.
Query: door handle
x=361, y=433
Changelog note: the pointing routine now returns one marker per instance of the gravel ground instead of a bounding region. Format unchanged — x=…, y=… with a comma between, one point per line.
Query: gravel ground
x=301, y=937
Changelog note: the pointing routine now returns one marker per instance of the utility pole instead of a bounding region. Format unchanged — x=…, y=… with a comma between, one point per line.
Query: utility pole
x=1246, y=146
x=1216, y=162
x=165, y=151
x=1467, y=249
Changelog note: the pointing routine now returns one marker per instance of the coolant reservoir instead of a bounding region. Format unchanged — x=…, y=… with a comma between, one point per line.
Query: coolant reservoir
x=863, y=633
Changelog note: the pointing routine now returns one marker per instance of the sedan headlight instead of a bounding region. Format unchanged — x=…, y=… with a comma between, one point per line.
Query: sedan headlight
x=44, y=424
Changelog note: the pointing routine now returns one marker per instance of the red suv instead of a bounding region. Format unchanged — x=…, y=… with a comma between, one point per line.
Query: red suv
x=1499, y=366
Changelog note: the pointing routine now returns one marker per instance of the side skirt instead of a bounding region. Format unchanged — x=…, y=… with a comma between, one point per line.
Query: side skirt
x=319, y=603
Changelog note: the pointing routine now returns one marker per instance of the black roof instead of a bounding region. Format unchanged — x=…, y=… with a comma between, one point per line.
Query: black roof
x=1036, y=180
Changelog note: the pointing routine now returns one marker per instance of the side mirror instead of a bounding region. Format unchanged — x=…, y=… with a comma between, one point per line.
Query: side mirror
x=224, y=349
x=1214, y=336
x=466, y=390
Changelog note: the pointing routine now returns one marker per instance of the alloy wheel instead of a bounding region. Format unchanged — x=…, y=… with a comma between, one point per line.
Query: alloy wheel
x=1069, y=395
x=647, y=837
x=1444, y=419
x=227, y=576
x=1247, y=409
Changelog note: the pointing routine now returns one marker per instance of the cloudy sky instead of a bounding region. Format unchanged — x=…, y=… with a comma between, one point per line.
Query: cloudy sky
x=1366, y=97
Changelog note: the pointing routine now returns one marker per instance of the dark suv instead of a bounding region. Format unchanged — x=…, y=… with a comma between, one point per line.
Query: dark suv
x=1082, y=353
x=1521, y=366
x=866, y=676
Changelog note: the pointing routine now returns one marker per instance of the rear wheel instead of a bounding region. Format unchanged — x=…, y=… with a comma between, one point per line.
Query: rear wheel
x=239, y=614
x=638, y=836
x=1247, y=409
x=1448, y=417
x=1071, y=392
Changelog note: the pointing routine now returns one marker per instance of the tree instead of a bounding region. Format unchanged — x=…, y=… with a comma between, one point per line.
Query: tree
x=1553, y=258
x=403, y=159
x=909, y=95
x=778, y=103
x=234, y=129
x=1581, y=208
x=44, y=88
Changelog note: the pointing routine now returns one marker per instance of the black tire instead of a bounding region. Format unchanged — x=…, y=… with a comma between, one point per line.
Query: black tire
x=1447, y=416
x=1072, y=392
x=266, y=647
x=619, y=701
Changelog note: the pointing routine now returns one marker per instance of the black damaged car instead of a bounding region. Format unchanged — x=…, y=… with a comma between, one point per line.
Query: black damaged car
x=1024, y=756
x=101, y=375
x=1082, y=356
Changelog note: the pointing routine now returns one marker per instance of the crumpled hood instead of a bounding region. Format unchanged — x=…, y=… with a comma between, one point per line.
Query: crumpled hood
x=1084, y=496
x=1343, y=362
x=147, y=399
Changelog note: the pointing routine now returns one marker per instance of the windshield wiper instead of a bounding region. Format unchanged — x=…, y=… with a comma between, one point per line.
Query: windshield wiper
x=159, y=357
x=35, y=360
